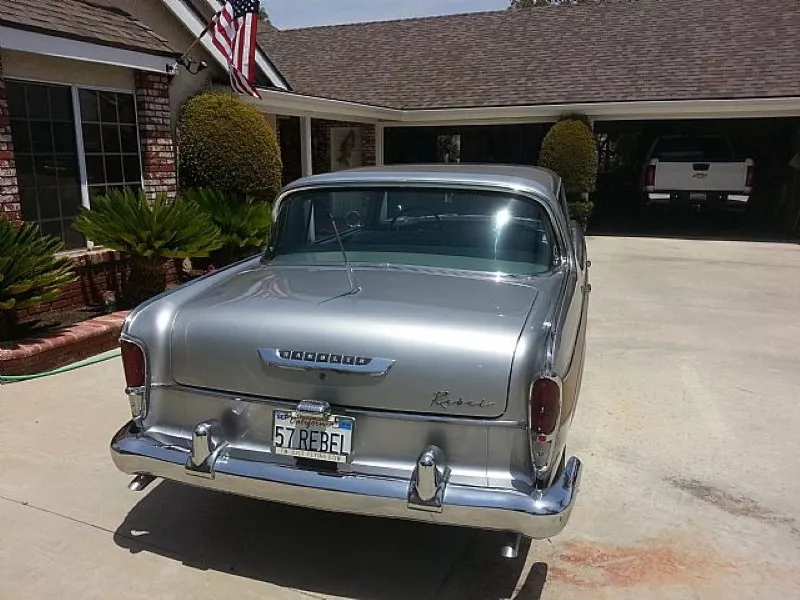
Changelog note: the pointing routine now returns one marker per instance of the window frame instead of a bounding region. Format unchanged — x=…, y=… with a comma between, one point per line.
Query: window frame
x=80, y=149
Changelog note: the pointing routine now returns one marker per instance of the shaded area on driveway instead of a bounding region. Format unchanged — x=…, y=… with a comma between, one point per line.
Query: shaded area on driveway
x=318, y=552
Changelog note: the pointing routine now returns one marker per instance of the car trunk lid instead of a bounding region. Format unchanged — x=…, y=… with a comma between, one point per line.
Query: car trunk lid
x=448, y=337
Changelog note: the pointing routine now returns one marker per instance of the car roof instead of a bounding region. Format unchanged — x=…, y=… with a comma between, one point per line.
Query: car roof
x=539, y=180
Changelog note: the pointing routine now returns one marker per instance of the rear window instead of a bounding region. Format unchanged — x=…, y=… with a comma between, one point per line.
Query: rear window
x=460, y=229
x=693, y=149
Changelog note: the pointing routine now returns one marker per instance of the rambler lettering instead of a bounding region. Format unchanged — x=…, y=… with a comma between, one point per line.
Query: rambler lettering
x=443, y=400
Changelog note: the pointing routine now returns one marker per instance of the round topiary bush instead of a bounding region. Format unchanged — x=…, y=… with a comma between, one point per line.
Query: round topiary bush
x=569, y=149
x=227, y=145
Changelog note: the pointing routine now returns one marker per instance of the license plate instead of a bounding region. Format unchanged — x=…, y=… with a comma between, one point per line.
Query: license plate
x=328, y=438
x=697, y=196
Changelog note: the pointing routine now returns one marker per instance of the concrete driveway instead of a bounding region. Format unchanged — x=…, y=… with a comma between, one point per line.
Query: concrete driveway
x=687, y=426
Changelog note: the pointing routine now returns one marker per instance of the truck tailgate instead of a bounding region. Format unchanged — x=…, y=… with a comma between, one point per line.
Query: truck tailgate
x=701, y=176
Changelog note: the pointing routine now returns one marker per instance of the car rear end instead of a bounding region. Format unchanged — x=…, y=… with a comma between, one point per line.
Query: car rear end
x=411, y=399
x=697, y=171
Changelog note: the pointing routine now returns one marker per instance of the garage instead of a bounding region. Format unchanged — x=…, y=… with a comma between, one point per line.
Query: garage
x=770, y=145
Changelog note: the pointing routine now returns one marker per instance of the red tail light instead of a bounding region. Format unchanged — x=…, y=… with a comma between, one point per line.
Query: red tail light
x=750, y=178
x=133, y=363
x=650, y=176
x=545, y=406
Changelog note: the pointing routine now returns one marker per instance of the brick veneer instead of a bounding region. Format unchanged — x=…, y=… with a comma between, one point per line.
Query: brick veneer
x=321, y=143
x=9, y=192
x=155, y=133
x=61, y=346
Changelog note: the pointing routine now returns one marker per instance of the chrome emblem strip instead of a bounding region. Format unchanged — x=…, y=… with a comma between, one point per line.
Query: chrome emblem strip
x=301, y=360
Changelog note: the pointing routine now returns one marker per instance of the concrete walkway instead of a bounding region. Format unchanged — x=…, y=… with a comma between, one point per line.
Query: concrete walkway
x=688, y=427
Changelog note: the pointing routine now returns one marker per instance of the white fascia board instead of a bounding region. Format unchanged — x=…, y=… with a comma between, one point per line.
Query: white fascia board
x=287, y=103
x=184, y=13
x=50, y=45
x=283, y=103
x=611, y=111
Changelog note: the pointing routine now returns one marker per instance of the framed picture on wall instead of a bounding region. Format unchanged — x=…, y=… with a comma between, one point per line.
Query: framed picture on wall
x=345, y=148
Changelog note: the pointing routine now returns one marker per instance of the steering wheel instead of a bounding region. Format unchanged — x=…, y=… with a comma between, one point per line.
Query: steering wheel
x=418, y=209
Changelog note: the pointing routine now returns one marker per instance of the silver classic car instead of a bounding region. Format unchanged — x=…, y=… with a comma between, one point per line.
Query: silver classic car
x=410, y=345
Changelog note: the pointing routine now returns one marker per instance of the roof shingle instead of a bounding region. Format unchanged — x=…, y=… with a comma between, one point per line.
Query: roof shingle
x=612, y=52
x=80, y=20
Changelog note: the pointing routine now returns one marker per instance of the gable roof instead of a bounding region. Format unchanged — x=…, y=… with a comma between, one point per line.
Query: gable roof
x=618, y=51
x=83, y=21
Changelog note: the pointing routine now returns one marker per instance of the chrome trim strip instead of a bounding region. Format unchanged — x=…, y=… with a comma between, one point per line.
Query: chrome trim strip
x=535, y=513
x=344, y=410
x=376, y=367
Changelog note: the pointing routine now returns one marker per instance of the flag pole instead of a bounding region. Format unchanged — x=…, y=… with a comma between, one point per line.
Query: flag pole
x=182, y=59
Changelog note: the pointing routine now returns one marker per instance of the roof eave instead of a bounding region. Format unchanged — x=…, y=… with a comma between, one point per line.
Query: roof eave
x=54, y=44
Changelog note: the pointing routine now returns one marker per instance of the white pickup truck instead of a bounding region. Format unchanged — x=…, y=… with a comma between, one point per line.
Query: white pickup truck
x=700, y=171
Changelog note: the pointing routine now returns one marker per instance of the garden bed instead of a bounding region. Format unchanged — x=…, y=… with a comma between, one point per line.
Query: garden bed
x=61, y=345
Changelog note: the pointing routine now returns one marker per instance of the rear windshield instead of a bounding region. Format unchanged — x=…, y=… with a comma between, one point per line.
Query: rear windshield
x=473, y=230
x=693, y=149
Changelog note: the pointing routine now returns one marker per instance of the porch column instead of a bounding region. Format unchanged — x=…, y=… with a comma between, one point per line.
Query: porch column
x=378, y=144
x=305, y=147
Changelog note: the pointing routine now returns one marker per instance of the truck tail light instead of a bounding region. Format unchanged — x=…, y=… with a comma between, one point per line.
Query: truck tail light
x=650, y=176
x=750, y=178
x=545, y=406
x=133, y=363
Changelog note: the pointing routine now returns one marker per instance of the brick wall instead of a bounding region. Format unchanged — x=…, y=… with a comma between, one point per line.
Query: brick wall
x=98, y=271
x=155, y=132
x=321, y=143
x=9, y=192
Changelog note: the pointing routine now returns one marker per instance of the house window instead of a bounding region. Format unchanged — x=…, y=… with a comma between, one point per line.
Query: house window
x=50, y=154
x=110, y=141
x=43, y=132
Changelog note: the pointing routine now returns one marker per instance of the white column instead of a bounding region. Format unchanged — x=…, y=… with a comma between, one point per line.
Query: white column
x=305, y=147
x=379, y=144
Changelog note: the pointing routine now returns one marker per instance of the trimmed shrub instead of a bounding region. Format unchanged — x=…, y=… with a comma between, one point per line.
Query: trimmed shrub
x=580, y=212
x=149, y=231
x=30, y=273
x=227, y=145
x=569, y=149
x=244, y=223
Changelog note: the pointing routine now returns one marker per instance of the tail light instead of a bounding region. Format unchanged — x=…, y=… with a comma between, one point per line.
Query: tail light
x=750, y=178
x=650, y=176
x=133, y=363
x=545, y=406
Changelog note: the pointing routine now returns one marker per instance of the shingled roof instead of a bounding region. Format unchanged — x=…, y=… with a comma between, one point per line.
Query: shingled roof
x=611, y=52
x=84, y=21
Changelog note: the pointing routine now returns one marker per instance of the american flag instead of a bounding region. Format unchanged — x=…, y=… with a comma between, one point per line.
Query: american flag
x=233, y=32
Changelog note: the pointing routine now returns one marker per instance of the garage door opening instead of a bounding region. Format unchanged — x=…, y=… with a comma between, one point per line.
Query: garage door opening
x=690, y=198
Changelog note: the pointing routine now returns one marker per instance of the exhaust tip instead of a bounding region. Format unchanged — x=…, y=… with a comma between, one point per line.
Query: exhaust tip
x=511, y=547
x=140, y=482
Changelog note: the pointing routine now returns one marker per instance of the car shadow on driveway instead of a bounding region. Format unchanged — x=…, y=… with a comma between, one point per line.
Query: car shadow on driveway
x=320, y=552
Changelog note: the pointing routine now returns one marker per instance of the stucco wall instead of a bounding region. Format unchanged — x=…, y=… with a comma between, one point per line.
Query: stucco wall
x=36, y=67
x=160, y=19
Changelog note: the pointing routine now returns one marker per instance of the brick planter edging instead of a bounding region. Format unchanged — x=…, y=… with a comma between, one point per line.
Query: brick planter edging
x=62, y=347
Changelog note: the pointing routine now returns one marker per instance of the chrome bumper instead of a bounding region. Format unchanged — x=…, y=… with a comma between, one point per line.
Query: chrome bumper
x=539, y=514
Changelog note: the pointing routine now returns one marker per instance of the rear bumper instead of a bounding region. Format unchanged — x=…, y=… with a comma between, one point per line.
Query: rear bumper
x=731, y=200
x=536, y=513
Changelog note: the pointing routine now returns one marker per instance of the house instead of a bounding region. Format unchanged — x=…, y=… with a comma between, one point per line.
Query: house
x=90, y=90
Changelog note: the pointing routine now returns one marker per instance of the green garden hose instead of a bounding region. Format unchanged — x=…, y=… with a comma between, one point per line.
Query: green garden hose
x=76, y=365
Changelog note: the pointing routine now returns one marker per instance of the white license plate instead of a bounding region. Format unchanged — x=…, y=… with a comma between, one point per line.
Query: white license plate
x=327, y=438
x=697, y=196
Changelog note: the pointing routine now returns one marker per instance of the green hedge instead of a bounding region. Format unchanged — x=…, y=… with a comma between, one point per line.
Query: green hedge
x=569, y=149
x=227, y=145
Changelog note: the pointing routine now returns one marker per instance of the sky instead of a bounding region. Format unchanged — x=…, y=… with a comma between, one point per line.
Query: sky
x=287, y=14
